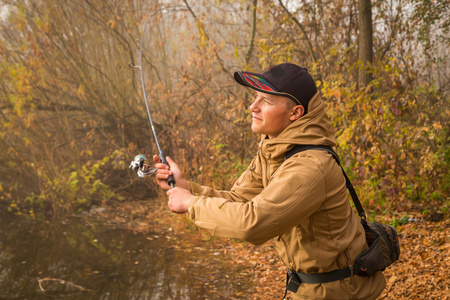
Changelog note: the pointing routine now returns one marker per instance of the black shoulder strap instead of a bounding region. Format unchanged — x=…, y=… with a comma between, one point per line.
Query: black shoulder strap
x=351, y=189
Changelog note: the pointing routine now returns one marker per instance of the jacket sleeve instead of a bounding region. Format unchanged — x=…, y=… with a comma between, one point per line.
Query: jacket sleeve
x=296, y=190
x=245, y=189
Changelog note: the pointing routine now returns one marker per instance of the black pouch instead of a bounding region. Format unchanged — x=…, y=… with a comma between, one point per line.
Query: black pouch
x=371, y=260
x=389, y=242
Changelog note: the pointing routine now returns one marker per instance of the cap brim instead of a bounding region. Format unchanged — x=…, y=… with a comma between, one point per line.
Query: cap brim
x=255, y=81
x=259, y=83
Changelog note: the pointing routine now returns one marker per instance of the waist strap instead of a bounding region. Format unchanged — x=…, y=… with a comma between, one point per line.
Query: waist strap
x=294, y=279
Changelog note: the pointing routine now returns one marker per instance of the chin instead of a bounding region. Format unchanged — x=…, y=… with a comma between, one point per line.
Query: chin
x=256, y=130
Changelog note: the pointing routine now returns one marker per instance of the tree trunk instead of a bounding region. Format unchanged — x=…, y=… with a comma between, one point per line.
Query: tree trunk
x=252, y=39
x=365, y=42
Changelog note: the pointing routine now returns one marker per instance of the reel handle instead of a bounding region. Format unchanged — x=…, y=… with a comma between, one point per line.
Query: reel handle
x=170, y=180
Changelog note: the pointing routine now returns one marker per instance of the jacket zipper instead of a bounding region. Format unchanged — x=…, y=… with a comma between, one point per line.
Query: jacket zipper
x=267, y=163
x=350, y=266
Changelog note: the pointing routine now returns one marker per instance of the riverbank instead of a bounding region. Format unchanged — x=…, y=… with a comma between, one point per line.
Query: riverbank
x=421, y=273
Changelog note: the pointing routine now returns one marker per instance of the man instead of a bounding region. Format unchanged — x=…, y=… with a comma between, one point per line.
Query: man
x=301, y=203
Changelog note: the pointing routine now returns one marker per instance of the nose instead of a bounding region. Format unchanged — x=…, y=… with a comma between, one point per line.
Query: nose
x=254, y=105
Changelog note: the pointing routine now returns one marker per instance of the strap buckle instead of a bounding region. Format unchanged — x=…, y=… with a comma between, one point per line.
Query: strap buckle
x=293, y=281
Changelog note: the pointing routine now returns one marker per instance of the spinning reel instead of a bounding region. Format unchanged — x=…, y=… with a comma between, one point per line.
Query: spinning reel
x=141, y=166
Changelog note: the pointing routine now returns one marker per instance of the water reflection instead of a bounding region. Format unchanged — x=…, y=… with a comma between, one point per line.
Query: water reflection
x=80, y=259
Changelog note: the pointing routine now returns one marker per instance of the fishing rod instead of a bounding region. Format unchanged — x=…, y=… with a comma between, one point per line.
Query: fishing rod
x=140, y=163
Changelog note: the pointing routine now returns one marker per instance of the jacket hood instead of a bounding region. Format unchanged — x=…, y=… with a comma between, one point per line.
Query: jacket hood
x=314, y=128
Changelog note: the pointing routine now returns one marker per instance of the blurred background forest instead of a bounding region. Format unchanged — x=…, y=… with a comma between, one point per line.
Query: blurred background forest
x=72, y=115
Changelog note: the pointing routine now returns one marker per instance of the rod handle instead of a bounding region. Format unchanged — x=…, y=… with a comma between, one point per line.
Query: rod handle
x=170, y=180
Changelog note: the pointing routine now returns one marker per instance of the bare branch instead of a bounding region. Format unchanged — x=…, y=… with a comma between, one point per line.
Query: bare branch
x=252, y=38
x=308, y=41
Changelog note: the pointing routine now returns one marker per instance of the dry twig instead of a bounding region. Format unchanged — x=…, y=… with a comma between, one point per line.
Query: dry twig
x=62, y=282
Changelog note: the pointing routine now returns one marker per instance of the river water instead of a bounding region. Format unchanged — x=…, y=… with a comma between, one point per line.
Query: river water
x=81, y=258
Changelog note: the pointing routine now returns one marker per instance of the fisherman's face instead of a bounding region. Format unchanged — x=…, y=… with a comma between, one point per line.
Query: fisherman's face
x=271, y=114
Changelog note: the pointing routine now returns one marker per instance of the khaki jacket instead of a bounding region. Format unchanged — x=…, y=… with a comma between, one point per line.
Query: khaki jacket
x=302, y=203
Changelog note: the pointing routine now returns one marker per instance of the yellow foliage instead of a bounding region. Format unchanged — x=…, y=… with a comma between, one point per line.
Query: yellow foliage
x=81, y=91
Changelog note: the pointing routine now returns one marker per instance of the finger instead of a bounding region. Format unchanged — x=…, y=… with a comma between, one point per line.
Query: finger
x=163, y=184
x=158, y=163
x=163, y=175
x=161, y=166
x=170, y=161
x=156, y=159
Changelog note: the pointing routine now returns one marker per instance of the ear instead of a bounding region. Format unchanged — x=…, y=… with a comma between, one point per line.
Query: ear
x=297, y=112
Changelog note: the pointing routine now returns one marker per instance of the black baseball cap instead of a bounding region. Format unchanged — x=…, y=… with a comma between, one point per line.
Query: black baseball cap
x=285, y=79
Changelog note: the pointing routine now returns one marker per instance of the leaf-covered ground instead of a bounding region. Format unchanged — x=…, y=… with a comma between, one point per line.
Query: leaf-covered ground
x=421, y=273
